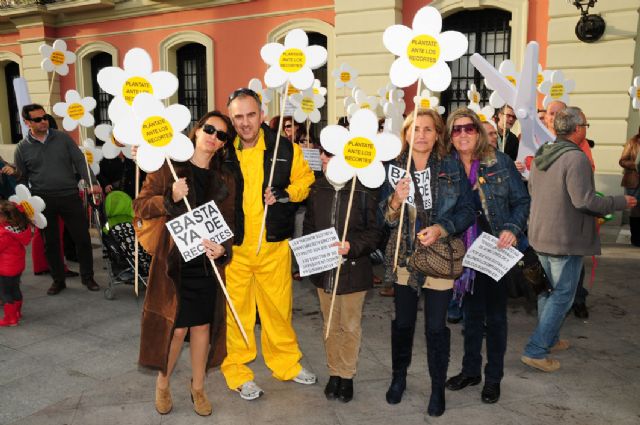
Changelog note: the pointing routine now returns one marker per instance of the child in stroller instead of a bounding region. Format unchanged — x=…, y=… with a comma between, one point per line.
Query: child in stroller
x=118, y=243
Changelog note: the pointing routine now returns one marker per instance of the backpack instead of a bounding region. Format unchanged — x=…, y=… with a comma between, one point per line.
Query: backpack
x=148, y=232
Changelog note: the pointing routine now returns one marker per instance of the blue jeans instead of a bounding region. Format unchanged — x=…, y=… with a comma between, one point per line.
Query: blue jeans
x=563, y=273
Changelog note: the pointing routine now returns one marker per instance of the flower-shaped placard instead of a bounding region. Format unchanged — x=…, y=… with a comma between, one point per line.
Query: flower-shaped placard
x=543, y=75
x=32, y=205
x=345, y=76
x=362, y=101
x=157, y=131
x=359, y=150
x=423, y=50
x=508, y=69
x=292, y=61
x=264, y=94
x=56, y=58
x=76, y=110
x=393, y=113
x=556, y=88
x=136, y=77
x=473, y=95
x=484, y=114
x=111, y=147
x=634, y=92
x=318, y=89
x=307, y=104
x=92, y=154
x=427, y=100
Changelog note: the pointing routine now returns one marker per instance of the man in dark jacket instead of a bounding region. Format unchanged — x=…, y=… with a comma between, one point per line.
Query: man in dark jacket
x=259, y=275
x=48, y=159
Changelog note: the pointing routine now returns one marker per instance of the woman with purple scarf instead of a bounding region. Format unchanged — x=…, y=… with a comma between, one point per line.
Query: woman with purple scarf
x=502, y=208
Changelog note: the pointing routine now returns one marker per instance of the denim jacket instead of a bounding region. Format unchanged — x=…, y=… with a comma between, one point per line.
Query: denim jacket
x=506, y=197
x=453, y=209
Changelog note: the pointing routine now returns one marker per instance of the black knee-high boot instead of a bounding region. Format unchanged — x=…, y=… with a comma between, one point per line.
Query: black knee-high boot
x=634, y=226
x=438, y=346
x=401, y=348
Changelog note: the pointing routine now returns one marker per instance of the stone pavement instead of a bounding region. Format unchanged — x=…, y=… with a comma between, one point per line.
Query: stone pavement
x=72, y=361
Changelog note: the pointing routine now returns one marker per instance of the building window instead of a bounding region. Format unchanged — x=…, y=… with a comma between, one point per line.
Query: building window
x=99, y=61
x=192, y=74
x=11, y=71
x=489, y=34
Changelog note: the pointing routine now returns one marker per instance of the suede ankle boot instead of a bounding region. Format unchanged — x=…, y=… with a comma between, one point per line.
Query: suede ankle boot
x=164, y=404
x=201, y=403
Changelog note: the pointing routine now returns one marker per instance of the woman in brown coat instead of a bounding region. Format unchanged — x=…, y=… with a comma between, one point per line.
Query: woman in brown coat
x=631, y=183
x=184, y=297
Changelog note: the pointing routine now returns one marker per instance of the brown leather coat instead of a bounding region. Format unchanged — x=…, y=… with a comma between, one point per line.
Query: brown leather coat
x=161, y=301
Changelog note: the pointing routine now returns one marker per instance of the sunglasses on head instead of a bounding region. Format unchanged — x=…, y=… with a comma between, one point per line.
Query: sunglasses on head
x=211, y=130
x=244, y=92
x=467, y=128
x=38, y=119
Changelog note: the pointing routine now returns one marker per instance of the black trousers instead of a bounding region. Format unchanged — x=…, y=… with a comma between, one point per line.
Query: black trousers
x=488, y=302
x=10, y=289
x=435, y=307
x=72, y=212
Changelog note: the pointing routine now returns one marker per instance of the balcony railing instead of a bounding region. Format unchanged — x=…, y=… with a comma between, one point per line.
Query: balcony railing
x=6, y=4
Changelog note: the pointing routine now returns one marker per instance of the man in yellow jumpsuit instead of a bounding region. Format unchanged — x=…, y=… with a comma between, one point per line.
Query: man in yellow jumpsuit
x=263, y=280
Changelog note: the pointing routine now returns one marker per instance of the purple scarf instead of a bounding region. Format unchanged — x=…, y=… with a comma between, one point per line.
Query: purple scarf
x=464, y=283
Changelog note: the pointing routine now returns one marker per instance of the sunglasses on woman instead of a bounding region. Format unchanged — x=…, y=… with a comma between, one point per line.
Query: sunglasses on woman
x=471, y=129
x=326, y=153
x=211, y=130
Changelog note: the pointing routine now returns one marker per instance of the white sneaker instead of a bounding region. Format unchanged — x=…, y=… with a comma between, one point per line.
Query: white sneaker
x=250, y=390
x=305, y=377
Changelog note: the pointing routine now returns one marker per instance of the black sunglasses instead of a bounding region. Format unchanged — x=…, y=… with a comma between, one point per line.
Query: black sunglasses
x=221, y=135
x=326, y=153
x=244, y=92
x=37, y=119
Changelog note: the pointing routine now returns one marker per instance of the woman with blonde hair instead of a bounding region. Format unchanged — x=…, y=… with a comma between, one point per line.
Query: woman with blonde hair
x=441, y=206
x=631, y=182
x=501, y=205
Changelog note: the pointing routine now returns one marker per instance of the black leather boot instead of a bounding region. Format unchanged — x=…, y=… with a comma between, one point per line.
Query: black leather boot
x=331, y=391
x=438, y=345
x=401, y=348
x=346, y=390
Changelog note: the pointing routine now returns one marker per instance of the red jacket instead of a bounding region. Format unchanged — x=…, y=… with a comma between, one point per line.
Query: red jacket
x=12, y=249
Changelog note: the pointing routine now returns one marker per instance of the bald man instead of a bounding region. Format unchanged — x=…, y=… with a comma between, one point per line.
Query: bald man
x=552, y=110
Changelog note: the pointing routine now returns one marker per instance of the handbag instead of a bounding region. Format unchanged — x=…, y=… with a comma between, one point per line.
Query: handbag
x=442, y=259
x=533, y=272
x=148, y=232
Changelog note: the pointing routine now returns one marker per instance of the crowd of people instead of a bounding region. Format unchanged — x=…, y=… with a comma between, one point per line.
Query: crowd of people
x=473, y=184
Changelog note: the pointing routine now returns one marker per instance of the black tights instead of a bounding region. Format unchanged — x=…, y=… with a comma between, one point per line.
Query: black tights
x=435, y=307
x=10, y=289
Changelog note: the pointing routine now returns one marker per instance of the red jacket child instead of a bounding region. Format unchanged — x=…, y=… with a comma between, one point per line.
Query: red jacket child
x=12, y=249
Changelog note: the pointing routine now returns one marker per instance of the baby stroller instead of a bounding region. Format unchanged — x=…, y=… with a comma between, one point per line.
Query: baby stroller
x=118, y=244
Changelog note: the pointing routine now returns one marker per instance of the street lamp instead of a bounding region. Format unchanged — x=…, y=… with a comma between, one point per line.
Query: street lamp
x=589, y=28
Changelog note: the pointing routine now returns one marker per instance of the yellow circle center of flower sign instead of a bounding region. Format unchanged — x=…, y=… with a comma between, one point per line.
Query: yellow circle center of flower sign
x=425, y=103
x=57, y=57
x=557, y=90
x=345, y=77
x=638, y=93
x=28, y=209
x=539, y=79
x=75, y=111
x=423, y=51
x=89, y=155
x=307, y=105
x=134, y=86
x=511, y=79
x=359, y=152
x=482, y=118
x=292, y=60
x=292, y=90
x=157, y=131
x=365, y=105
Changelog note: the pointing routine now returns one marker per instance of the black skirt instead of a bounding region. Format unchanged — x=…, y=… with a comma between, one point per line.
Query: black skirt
x=197, y=301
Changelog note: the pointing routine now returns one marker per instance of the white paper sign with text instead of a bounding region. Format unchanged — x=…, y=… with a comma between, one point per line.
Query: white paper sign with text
x=189, y=229
x=315, y=253
x=485, y=256
x=312, y=156
x=424, y=184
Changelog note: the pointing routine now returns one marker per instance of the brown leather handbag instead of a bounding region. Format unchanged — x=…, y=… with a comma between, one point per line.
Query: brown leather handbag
x=442, y=259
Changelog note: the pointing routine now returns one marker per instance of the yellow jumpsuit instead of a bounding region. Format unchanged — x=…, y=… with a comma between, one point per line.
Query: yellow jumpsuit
x=263, y=280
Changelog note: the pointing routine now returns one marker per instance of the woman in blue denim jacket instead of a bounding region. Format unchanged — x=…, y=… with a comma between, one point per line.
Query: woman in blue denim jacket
x=502, y=206
x=439, y=203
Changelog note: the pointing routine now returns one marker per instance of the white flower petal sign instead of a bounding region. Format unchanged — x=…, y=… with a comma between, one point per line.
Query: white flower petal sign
x=473, y=95
x=32, y=205
x=345, y=76
x=136, y=77
x=307, y=105
x=75, y=110
x=92, y=154
x=426, y=100
x=359, y=150
x=423, y=50
x=56, y=58
x=484, y=114
x=634, y=92
x=556, y=88
x=293, y=61
x=110, y=149
x=263, y=93
x=157, y=131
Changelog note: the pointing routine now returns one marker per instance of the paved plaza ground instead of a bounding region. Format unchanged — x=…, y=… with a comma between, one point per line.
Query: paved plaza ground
x=73, y=358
